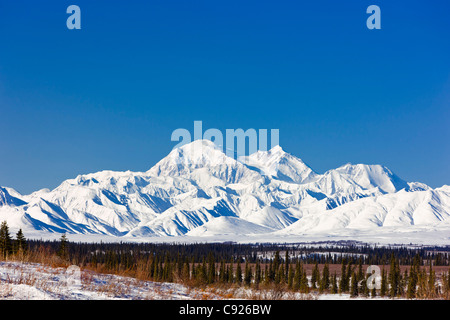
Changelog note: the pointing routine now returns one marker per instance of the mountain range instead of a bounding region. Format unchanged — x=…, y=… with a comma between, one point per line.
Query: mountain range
x=199, y=191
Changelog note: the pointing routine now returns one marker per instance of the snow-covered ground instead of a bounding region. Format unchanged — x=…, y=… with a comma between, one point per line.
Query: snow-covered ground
x=32, y=281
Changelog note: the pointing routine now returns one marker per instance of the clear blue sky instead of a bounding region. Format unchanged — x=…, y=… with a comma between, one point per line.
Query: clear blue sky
x=108, y=96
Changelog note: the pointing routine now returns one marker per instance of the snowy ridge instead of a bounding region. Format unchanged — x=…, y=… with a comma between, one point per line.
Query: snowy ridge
x=197, y=190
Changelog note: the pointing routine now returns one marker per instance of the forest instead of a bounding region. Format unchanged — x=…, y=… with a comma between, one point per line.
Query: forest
x=344, y=267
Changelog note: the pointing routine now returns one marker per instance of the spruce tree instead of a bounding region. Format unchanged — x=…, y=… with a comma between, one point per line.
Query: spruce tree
x=362, y=285
x=334, y=285
x=222, y=272
x=275, y=265
x=384, y=287
x=290, y=280
x=267, y=271
x=315, y=278
x=5, y=240
x=431, y=282
x=325, y=281
x=360, y=270
x=21, y=242
x=227, y=274
x=185, y=272
x=286, y=266
x=446, y=283
x=394, y=277
x=279, y=276
x=238, y=276
x=403, y=283
x=231, y=278
x=211, y=268
x=247, y=274
x=412, y=283
x=297, y=276
x=373, y=292
x=422, y=284
x=203, y=274
x=343, y=283
x=304, y=287
x=257, y=273
x=63, y=250
x=354, y=286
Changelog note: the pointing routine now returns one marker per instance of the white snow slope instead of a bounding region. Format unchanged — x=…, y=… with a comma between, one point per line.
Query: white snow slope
x=198, y=191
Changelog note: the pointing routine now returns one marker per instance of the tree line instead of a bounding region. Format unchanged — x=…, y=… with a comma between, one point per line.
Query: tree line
x=404, y=272
x=10, y=246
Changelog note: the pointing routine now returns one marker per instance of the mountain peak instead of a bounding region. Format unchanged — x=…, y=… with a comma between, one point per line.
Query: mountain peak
x=281, y=165
x=200, y=143
x=6, y=199
x=198, y=190
x=277, y=149
x=200, y=160
x=370, y=176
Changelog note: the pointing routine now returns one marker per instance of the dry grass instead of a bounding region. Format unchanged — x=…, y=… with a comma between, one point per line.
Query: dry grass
x=122, y=281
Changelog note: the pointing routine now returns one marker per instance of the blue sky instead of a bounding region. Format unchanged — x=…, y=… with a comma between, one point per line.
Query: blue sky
x=108, y=96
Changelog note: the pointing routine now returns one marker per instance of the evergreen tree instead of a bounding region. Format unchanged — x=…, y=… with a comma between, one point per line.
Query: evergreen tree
x=422, y=284
x=202, y=274
x=447, y=290
x=247, y=274
x=394, y=277
x=412, y=282
x=354, y=285
x=297, y=277
x=403, y=283
x=275, y=265
x=373, y=292
x=304, y=287
x=267, y=278
x=167, y=270
x=180, y=263
x=349, y=273
x=21, y=242
x=227, y=274
x=185, y=272
x=446, y=285
x=362, y=285
x=279, y=276
x=431, y=283
x=222, y=272
x=63, y=250
x=231, y=278
x=257, y=273
x=325, y=281
x=5, y=240
x=238, y=276
x=315, y=278
x=343, y=283
x=286, y=266
x=211, y=268
x=360, y=270
x=334, y=285
x=384, y=287
x=290, y=280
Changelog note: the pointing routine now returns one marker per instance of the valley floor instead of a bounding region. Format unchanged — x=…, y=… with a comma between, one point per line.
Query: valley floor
x=34, y=281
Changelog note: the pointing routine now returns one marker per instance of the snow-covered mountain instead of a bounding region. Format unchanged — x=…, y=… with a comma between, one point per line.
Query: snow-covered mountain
x=197, y=190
